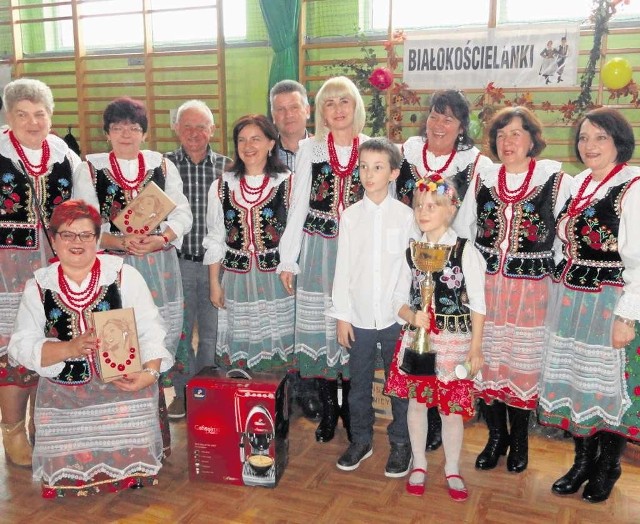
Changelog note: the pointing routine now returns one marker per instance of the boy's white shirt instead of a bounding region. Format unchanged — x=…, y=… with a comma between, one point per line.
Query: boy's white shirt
x=372, y=278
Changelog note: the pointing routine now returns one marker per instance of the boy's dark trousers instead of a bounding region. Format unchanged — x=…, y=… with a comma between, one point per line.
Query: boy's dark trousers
x=362, y=359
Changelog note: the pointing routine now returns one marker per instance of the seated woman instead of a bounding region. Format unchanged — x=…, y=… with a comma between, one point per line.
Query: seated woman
x=92, y=436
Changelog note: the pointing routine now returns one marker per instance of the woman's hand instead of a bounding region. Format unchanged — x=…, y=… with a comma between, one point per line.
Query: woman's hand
x=622, y=334
x=83, y=345
x=421, y=319
x=286, y=277
x=139, y=245
x=345, y=334
x=216, y=294
x=134, y=381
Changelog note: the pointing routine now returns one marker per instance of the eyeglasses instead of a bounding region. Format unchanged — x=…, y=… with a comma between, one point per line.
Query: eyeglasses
x=70, y=236
x=121, y=129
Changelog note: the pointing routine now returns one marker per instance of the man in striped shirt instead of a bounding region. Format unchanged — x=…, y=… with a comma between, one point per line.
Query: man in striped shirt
x=199, y=166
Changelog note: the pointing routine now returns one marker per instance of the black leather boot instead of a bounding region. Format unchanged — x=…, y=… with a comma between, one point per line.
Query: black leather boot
x=309, y=398
x=586, y=455
x=328, y=390
x=345, y=413
x=518, y=457
x=434, y=425
x=496, y=416
x=607, y=468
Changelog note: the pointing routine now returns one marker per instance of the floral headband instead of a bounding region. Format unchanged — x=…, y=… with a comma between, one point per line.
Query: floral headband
x=437, y=184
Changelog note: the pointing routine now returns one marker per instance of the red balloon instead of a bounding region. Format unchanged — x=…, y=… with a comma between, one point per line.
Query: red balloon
x=381, y=78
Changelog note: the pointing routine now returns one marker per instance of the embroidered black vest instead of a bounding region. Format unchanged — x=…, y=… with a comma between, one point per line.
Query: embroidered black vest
x=112, y=198
x=530, y=244
x=269, y=219
x=328, y=191
x=18, y=216
x=63, y=323
x=449, y=293
x=409, y=176
x=591, y=257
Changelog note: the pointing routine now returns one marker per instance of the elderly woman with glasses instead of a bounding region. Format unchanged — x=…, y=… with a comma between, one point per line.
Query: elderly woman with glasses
x=118, y=177
x=36, y=174
x=93, y=436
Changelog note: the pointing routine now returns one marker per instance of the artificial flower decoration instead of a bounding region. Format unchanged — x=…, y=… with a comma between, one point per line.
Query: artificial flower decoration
x=381, y=78
x=437, y=184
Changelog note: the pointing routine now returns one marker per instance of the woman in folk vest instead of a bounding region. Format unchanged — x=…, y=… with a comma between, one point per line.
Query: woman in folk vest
x=510, y=211
x=246, y=215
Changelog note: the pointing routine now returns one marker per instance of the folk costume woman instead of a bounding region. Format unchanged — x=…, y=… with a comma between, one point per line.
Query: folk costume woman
x=454, y=322
x=92, y=436
x=510, y=213
x=118, y=177
x=326, y=182
x=590, y=383
x=36, y=173
x=444, y=148
x=246, y=215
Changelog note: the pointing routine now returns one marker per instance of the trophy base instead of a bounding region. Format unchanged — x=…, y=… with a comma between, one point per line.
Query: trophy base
x=421, y=364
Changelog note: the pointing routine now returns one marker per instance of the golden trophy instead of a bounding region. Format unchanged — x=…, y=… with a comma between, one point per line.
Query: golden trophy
x=429, y=258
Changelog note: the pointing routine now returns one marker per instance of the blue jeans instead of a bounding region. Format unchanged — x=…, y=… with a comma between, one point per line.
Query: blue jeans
x=362, y=357
x=195, y=283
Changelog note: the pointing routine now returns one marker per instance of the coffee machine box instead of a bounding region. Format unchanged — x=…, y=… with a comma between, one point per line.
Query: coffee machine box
x=237, y=427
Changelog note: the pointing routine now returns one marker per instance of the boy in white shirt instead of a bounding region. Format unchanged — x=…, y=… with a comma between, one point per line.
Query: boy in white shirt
x=372, y=282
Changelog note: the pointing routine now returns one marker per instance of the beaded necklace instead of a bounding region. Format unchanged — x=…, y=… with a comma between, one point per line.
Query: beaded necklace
x=122, y=365
x=252, y=195
x=34, y=170
x=581, y=201
x=120, y=179
x=336, y=167
x=80, y=299
x=508, y=196
x=425, y=148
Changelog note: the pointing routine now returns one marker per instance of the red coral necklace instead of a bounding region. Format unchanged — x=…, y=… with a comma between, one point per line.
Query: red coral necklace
x=122, y=365
x=581, y=201
x=425, y=148
x=252, y=195
x=508, y=196
x=34, y=170
x=336, y=167
x=120, y=179
x=80, y=299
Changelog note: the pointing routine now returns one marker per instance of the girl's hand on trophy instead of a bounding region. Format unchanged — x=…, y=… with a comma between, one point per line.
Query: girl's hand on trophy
x=421, y=319
x=345, y=334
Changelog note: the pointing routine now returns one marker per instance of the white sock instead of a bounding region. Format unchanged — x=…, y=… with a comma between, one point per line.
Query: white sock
x=417, y=424
x=452, y=434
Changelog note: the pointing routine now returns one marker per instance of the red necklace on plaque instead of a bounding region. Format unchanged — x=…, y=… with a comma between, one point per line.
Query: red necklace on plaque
x=33, y=169
x=425, y=148
x=508, y=196
x=109, y=359
x=581, y=201
x=251, y=195
x=120, y=179
x=80, y=299
x=336, y=167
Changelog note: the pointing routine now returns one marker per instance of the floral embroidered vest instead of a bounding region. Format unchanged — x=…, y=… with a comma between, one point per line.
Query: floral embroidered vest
x=18, y=216
x=268, y=218
x=112, y=198
x=328, y=193
x=409, y=176
x=530, y=243
x=450, y=293
x=63, y=323
x=591, y=257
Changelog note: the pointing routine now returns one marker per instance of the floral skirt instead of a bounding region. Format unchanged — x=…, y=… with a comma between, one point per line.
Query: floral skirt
x=18, y=266
x=586, y=385
x=95, y=438
x=513, y=340
x=317, y=352
x=451, y=395
x=255, y=327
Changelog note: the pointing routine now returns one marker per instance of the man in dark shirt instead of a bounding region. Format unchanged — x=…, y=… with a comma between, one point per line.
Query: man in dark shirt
x=199, y=166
